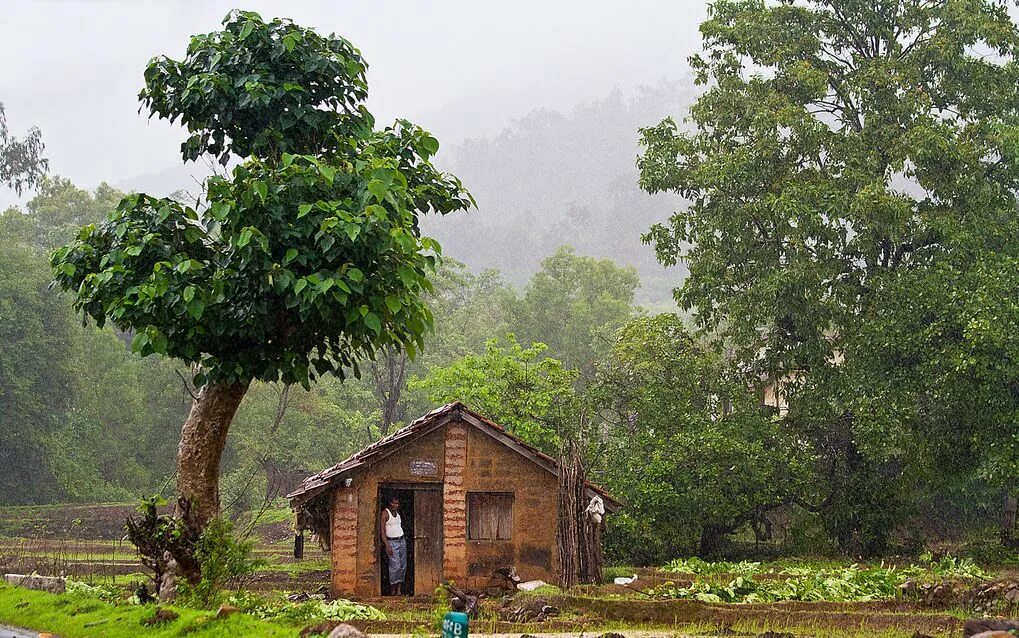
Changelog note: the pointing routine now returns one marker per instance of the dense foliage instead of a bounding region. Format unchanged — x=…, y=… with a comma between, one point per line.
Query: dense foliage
x=82, y=419
x=849, y=223
x=304, y=262
x=519, y=388
x=851, y=234
x=22, y=165
x=687, y=448
x=223, y=558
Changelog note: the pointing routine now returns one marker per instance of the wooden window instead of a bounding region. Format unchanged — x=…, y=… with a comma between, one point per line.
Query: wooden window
x=489, y=516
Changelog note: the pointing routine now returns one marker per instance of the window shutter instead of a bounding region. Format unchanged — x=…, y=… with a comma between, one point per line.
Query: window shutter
x=489, y=516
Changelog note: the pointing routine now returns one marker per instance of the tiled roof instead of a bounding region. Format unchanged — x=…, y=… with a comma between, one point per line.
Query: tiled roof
x=320, y=482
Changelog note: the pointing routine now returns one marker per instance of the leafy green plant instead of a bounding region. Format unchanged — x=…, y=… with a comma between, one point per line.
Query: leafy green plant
x=714, y=582
x=342, y=609
x=695, y=565
x=156, y=535
x=851, y=584
x=305, y=611
x=223, y=558
x=105, y=593
x=949, y=566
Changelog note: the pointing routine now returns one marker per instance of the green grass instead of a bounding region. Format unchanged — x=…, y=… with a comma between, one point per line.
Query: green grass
x=279, y=512
x=55, y=507
x=295, y=568
x=73, y=616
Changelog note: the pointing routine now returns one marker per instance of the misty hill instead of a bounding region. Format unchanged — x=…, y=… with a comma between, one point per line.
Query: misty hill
x=552, y=178
x=546, y=180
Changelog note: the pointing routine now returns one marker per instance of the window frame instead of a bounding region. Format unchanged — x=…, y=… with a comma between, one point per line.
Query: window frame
x=480, y=494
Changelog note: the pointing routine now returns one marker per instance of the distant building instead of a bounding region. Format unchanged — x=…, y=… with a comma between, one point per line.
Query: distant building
x=773, y=394
x=474, y=499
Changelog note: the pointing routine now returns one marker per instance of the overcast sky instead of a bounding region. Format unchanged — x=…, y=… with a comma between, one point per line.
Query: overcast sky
x=460, y=68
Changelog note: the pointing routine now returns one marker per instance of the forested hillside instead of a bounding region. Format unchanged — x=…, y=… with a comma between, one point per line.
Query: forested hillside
x=842, y=238
x=555, y=178
x=546, y=180
x=82, y=418
x=88, y=420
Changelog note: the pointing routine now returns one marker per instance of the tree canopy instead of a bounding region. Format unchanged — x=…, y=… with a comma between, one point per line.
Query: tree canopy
x=574, y=304
x=519, y=387
x=686, y=446
x=846, y=161
x=21, y=162
x=305, y=261
x=308, y=258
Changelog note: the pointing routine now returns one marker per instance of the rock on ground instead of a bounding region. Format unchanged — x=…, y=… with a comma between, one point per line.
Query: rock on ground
x=987, y=627
x=51, y=584
x=345, y=631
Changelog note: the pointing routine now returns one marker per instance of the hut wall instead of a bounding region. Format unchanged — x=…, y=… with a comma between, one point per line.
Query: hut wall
x=493, y=467
x=468, y=460
x=343, y=541
x=454, y=505
x=394, y=468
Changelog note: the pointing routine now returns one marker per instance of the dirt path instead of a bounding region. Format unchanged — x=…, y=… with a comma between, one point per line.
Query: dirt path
x=588, y=634
x=14, y=632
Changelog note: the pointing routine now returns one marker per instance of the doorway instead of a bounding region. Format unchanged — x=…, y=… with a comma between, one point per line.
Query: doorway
x=421, y=515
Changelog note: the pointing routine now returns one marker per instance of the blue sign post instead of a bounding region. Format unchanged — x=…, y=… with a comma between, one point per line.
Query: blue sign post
x=454, y=625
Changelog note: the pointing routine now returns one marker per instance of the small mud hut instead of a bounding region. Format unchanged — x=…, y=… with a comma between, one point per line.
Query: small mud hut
x=474, y=499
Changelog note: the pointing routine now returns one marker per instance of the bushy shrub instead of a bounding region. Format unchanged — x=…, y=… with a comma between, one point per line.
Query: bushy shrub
x=991, y=552
x=224, y=559
x=304, y=611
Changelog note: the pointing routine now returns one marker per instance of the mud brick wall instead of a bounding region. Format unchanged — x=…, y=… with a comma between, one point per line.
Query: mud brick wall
x=394, y=468
x=454, y=505
x=493, y=467
x=343, y=541
x=468, y=461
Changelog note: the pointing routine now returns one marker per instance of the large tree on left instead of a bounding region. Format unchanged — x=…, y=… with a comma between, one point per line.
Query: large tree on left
x=307, y=260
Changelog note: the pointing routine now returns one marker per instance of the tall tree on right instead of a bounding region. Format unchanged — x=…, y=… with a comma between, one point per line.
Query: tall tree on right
x=851, y=172
x=22, y=165
x=574, y=304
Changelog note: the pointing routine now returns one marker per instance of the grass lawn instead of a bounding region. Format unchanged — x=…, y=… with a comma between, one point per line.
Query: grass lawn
x=74, y=616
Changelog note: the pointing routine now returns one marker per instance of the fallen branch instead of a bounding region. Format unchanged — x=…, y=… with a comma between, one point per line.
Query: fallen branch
x=470, y=602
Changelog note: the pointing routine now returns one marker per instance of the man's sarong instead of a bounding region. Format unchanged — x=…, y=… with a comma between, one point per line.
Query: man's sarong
x=398, y=561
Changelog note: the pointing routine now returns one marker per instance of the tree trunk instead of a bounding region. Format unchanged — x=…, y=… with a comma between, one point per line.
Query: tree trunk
x=389, y=373
x=201, y=446
x=1008, y=538
x=713, y=538
x=593, y=558
x=276, y=477
x=578, y=536
x=570, y=528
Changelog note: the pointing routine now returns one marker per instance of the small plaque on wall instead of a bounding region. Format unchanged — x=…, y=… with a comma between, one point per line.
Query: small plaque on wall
x=424, y=467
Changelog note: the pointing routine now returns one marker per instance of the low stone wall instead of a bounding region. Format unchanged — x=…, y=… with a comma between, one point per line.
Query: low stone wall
x=51, y=584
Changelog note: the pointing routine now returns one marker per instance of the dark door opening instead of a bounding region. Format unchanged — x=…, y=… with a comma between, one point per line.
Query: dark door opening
x=407, y=517
x=421, y=516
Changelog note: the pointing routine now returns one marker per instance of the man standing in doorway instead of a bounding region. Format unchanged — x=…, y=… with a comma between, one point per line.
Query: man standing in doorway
x=391, y=530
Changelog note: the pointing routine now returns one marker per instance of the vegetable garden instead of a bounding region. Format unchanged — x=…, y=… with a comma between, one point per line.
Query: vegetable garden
x=690, y=596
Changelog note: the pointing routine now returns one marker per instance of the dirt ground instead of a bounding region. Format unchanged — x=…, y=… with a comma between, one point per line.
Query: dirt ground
x=87, y=540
